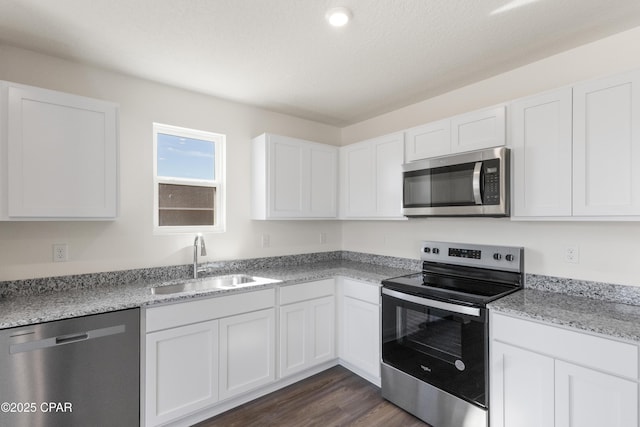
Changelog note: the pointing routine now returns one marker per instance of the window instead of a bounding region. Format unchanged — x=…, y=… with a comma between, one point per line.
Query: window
x=188, y=179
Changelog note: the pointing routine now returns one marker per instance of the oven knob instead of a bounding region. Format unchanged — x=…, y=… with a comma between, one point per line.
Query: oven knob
x=436, y=251
x=497, y=256
x=427, y=250
x=509, y=257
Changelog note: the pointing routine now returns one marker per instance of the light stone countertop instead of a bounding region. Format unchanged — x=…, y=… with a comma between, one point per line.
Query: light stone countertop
x=610, y=318
x=56, y=305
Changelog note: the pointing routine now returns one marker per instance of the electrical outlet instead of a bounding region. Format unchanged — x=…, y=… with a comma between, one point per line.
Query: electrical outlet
x=60, y=252
x=266, y=240
x=572, y=255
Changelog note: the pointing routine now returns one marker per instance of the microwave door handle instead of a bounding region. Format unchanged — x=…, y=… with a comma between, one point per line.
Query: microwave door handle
x=477, y=193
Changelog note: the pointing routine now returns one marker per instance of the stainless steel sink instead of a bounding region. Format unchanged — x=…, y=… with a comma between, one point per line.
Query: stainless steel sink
x=231, y=281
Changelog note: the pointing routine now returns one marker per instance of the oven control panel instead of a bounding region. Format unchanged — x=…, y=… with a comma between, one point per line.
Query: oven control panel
x=507, y=258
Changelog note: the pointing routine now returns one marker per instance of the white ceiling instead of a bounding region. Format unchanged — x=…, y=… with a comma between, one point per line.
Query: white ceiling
x=281, y=54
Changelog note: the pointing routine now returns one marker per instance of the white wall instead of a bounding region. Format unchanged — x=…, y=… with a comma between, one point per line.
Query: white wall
x=609, y=251
x=129, y=242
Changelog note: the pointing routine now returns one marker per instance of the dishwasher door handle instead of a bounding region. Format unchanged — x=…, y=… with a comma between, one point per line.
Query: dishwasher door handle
x=66, y=339
x=71, y=338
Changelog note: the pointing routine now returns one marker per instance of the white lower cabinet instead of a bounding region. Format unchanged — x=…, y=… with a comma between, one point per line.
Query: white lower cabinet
x=589, y=398
x=546, y=376
x=200, y=352
x=521, y=382
x=247, y=352
x=307, y=334
x=182, y=370
x=360, y=328
x=207, y=355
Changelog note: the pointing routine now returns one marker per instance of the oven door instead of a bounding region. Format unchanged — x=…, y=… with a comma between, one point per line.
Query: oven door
x=440, y=343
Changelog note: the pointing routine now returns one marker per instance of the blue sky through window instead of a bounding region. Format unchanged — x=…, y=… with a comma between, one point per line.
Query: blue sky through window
x=180, y=157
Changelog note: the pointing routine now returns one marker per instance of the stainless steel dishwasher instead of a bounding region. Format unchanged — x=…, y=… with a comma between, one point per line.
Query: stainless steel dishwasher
x=83, y=371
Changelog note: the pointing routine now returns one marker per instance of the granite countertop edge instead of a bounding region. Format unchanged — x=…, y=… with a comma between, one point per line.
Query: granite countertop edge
x=52, y=306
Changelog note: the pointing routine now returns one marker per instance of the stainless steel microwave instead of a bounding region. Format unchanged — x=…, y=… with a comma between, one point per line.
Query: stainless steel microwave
x=467, y=184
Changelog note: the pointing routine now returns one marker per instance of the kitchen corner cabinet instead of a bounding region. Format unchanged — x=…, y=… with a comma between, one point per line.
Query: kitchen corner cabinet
x=307, y=325
x=359, y=331
x=204, y=351
x=545, y=376
x=59, y=155
x=575, y=151
x=293, y=179
x=476, y=130
x=371, y=178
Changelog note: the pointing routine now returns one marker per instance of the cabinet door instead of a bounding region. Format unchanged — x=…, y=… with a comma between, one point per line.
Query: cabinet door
x=588, y=398
x=181, y=371
x=62, y=155
x=287, y=179
x=541, y=151
x=323, y=186
x=294, y=336
x=307, y=334
x=521, y=387
x=606, y=146
x=358, y=180
x=322, y=324
x=360, y=336
x=247, y=352
x=389, y=157
x=478, y=129
x=430, y=140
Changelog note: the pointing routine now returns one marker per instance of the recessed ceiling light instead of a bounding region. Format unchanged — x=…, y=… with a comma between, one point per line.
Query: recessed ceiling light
x=338, y=16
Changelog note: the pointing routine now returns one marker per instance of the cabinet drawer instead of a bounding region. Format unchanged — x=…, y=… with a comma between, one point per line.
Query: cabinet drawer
x=606, y=355
x=367, y=292
x=169, y=316
x=306, y=291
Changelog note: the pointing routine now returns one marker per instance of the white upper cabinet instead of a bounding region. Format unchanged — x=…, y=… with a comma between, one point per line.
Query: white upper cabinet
x=541, y=152
x=59, y=153
x=293, y=178
x=371, y=178
x=430, y=140
x=478, y=129
x=575, y=151
x=606, y=147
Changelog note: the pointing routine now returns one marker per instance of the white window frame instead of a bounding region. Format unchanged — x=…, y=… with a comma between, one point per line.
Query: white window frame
x=219, y=182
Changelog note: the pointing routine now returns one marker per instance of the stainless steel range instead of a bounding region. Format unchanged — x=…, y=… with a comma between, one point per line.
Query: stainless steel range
x=435, y=330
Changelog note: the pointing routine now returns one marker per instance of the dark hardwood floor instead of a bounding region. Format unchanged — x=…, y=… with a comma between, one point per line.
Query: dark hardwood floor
x=335, y=397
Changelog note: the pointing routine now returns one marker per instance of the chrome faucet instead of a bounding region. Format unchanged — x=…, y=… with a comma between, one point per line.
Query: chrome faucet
x=203, y=251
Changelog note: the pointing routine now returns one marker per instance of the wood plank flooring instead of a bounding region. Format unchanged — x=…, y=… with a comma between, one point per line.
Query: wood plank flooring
x=335, y=397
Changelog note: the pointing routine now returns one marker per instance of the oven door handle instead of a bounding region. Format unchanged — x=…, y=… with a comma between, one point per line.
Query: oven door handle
x=471, y=311
x=477, y=174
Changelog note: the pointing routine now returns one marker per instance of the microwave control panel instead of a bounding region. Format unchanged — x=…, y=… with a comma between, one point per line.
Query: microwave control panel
x=491, y=182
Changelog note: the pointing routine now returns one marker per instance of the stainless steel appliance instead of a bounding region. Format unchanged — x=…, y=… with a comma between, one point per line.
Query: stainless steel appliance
x=435, y=327
x=83, y=371
x=468, y=184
